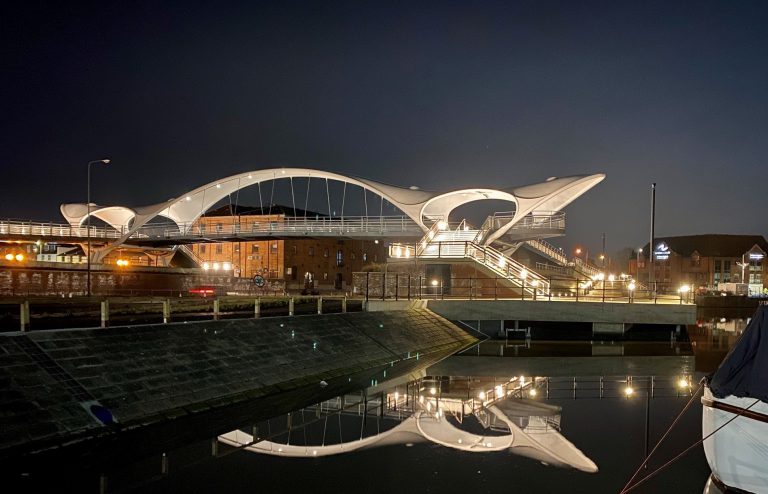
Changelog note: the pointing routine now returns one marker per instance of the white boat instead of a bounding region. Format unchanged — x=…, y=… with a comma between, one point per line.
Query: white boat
x=735, y=414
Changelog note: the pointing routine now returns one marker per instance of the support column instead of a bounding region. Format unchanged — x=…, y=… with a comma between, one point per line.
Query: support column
x=257, y=308
x=164, y=464
x=105, y=313
x=166, y=311
x=24, y=315
x=320, y=305
x=290, y=306
x=344, y=305
x=214, y=447
x=216, y=312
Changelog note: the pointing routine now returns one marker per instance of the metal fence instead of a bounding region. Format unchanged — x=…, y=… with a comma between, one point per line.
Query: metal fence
x=405, y=286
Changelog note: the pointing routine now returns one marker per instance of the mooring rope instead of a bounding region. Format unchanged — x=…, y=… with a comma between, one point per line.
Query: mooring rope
x=683, y=453
x=664, y=436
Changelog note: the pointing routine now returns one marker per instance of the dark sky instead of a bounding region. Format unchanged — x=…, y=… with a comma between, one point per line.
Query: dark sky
x=439, y=95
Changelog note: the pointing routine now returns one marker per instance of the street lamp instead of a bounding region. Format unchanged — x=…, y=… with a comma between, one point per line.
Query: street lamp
x=88, y=226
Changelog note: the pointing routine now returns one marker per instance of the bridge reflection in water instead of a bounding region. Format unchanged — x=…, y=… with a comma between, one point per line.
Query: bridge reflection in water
x=476, y=415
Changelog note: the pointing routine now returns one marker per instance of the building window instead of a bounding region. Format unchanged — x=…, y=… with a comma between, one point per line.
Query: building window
x=294, y=249
x=274, y=248
x=254, y=249
x=218, y=228
x=219, y=248
x=202, y=248
x=365, y=257
x=695, y=260
x=339, y=257
x=717, y=265
x=237, y=247
x=325, y=253
x=352, y=256
x=311, y=251
x=325, y=276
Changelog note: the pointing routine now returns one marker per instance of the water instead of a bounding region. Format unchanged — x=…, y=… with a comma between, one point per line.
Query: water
x=611, y=431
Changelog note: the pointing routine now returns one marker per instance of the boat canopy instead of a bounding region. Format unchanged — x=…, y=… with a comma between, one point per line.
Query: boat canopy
x=743, y=371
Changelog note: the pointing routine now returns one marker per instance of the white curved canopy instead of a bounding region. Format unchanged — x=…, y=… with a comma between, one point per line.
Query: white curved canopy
x=421, y=206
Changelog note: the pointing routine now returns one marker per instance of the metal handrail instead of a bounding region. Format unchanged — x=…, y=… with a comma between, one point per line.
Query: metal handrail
x=548, y=249
x=377, y=224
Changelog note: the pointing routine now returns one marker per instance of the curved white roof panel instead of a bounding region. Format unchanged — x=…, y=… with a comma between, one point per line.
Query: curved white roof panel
x=421, y=206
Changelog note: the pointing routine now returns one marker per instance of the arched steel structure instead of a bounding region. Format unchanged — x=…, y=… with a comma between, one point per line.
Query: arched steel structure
x=423, y=207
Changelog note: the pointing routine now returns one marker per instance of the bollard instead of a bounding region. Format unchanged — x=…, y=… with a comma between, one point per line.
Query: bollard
x=103, y=484
x=344, y=305
x=105, y=313
x=24, y=315
x=255, y=433
x=257, y=307
x=319, y=305
x=214, y=447
x=164, y=464
x=216, y=309
x=166, y=311
x=290, y=306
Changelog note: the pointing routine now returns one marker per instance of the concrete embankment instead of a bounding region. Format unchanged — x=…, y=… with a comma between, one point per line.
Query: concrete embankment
x=97, y=394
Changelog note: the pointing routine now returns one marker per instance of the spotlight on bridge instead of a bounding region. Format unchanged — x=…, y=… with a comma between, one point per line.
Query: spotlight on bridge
x=206, y=266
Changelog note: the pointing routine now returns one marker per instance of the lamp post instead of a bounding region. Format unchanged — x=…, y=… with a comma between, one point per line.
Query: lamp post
x=88, y=226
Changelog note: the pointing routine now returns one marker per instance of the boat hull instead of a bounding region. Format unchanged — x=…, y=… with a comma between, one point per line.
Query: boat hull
x=737, y=453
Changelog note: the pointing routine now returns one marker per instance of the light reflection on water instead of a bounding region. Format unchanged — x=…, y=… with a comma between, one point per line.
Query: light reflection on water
x=593, y=412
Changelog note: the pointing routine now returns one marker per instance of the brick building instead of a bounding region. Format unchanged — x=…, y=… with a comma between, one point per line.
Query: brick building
x=705, y=261
x=329, y=262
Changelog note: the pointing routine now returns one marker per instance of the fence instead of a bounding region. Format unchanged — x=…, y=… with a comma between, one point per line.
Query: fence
x=405, y=286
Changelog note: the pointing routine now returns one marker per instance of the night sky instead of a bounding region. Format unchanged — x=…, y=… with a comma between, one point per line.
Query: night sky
x=441, y=95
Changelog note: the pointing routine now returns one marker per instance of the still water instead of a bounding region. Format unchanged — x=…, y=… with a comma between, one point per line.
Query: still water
x=581, y=399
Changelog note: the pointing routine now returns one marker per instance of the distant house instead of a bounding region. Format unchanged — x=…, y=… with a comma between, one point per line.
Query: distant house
x=705, y=261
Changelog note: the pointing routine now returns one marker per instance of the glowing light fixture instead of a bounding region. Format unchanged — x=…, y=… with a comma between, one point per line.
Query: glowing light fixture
x=206, y=266
x=628, y=391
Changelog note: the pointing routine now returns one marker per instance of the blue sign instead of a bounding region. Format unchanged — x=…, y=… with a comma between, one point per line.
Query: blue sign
x=258, y=280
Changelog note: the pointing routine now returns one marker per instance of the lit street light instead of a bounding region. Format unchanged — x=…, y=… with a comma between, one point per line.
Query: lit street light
x=88, y=226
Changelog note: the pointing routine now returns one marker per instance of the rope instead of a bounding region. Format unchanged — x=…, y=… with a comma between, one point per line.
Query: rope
x=686, y=450
x=666, y=433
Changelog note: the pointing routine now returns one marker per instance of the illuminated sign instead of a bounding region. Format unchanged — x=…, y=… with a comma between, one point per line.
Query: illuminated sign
x=756, y=256
x=662, y=252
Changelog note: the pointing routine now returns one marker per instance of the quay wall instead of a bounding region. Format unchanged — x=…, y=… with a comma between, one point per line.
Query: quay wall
x=82, y=391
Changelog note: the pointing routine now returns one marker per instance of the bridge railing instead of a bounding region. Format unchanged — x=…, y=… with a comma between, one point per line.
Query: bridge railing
x=245, y=227
x=22, y=228
x=409, y=286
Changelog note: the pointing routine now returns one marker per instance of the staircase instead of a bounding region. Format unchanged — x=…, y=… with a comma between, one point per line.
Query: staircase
x=191, y=254
x=463, y=242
